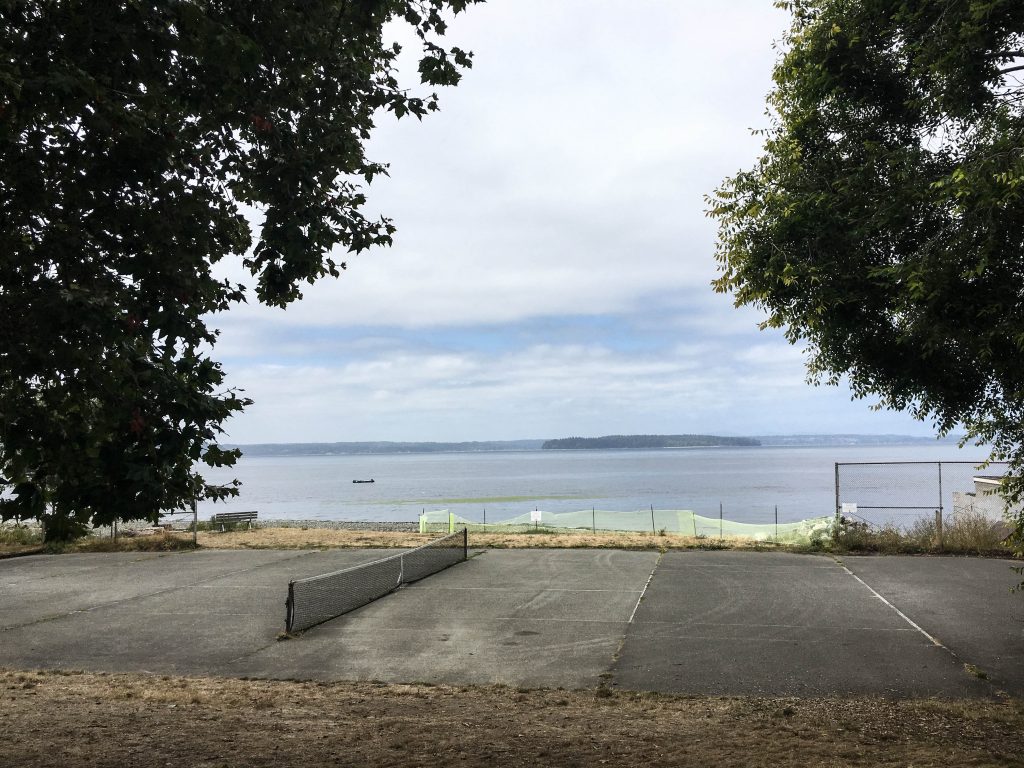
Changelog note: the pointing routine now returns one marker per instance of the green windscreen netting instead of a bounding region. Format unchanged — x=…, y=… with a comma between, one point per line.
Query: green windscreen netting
x=683, y=522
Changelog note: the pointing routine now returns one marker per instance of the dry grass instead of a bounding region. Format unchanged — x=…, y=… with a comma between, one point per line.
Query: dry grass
x=312, y=538
x=161, y=541
x=316, y=538
x=32, y=543
x=323, y=538
x=148, y=721
x=19, y=540
x=963, y=534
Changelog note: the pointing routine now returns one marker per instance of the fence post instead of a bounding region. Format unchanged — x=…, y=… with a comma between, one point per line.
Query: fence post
x=593, y=519
x=940, y=488
x=720, y=536
x=195, y=522
x=776, y=523
x=938, y=529
x=653, y=531
x=835, y=528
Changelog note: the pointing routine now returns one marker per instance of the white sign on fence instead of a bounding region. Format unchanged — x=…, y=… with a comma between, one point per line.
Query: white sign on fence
x=849, y=508
x=535, y=516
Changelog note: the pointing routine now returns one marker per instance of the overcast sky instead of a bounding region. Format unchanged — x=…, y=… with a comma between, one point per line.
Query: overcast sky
x=550, y=274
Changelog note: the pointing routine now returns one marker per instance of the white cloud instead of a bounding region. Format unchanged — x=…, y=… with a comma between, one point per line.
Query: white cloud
x=551, y=271
x=540, y=391
x=565, y=174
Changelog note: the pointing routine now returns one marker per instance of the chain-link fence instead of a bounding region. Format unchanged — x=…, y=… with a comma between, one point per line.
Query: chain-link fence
x=681, y=522
x=903, y=494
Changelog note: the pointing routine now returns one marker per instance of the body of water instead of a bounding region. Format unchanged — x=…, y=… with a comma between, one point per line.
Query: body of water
x=748, y=483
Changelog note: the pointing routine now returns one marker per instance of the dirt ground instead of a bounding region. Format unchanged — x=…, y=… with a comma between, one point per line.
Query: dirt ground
x=76, y=719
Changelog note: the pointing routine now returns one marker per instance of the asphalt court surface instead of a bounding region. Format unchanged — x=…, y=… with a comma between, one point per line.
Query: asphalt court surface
x=965, y=603
x=521, y=617
x=778, y=624
x=715, y=622
x=183, y=613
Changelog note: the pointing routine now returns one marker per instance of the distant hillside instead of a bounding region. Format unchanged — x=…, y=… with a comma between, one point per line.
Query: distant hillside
x=335, y=449
x=647, y=441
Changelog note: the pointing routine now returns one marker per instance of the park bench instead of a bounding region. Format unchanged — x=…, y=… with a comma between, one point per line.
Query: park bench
x=233, y=517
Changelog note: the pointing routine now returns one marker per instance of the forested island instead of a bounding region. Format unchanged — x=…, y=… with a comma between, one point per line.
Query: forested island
x=648, y=441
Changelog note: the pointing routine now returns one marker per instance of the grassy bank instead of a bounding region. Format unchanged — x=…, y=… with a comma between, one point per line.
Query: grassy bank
x=20, y=540
x=963, y=534
x=149, y=721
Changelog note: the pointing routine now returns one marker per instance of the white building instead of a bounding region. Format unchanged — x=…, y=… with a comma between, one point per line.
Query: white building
x=986, y=498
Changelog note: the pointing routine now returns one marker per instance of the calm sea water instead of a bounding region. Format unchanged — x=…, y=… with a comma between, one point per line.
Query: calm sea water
x=748, y=483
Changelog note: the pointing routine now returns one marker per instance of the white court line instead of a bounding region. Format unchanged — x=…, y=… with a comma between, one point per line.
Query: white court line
x=528, y=588
x=233, y=586
x=759, y=569
x=644, y=590
x=899, y=613
x=655, y=622
x=218, y=614
x=555, y=621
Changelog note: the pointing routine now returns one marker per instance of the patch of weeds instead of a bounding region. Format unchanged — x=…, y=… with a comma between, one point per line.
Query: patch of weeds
x=711, y=545
x=164, y=541
x=970, y=532
x=20, y=536
x=226, y=527
x=976, y=672
x=965, y=533
x=816, y=546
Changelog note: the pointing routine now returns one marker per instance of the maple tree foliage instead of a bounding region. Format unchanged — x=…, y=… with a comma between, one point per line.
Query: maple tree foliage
x=883, y=226
x=131, y=136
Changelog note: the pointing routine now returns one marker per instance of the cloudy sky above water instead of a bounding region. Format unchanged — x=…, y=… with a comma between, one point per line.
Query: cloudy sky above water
x=550, y=274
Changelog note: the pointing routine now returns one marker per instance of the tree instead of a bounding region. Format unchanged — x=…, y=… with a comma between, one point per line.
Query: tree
x=131, y=135
x=883, y=226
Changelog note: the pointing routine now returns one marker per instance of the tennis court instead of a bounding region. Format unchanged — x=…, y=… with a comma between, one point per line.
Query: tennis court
x=709, y=622
x=776, y=623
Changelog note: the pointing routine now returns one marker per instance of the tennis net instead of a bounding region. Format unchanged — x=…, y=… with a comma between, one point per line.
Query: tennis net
x=316, y=599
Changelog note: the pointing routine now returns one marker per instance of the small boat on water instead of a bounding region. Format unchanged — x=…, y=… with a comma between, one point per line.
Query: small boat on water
x=363, y=481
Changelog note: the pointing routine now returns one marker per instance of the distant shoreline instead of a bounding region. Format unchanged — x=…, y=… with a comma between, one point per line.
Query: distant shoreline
x=647, y=442
x=507, y=446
